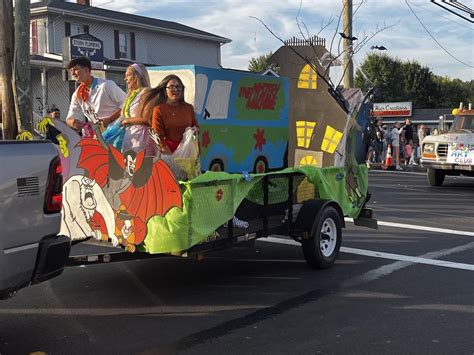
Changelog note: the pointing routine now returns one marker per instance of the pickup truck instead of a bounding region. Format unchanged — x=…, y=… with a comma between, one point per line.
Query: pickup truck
x=30, y=215
x=451, y=153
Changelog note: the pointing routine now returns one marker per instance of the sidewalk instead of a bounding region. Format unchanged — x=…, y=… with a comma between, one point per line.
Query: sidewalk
x=416, y=168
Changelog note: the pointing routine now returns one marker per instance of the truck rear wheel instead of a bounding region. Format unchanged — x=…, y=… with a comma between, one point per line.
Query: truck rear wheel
x=322, y=248
x=435, y=177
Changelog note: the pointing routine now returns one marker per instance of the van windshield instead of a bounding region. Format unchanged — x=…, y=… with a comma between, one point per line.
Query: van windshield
x=463, y=124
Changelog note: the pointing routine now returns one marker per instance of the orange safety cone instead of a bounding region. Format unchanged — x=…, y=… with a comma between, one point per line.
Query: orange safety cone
x=388, y=160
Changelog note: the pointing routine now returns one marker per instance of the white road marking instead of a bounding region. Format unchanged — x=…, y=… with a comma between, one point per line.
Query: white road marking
x=405, y=259
x=421, y=228
x=463, y=308
x=411, y=259
x=407, y=172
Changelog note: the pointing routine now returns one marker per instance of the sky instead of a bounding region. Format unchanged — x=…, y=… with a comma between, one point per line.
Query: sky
x=403, y=36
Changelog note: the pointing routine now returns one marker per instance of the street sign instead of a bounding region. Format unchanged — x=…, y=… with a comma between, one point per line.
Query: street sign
x=84, y=45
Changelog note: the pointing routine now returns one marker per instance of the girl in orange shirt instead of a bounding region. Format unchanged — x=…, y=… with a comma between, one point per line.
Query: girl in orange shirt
x=170, y=113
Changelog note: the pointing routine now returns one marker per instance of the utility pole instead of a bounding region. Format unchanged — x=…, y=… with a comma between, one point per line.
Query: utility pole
x=347, y=44
x=6, y=60
x=22, y=65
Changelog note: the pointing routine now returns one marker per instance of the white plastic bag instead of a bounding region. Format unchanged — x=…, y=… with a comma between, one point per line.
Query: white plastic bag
x=184, y=162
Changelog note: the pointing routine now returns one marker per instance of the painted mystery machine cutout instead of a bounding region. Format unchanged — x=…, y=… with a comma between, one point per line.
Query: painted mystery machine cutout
x=243, y=117
x=217, y=104
x=200, y=92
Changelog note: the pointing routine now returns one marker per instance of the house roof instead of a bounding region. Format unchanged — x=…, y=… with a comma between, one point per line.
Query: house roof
x=116, y=17
x=49, y=61
x=420, y=114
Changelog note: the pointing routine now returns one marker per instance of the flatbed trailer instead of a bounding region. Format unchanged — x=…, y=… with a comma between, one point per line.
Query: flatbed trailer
x=279, y=204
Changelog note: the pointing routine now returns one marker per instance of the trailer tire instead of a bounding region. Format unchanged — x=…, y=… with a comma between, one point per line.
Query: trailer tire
x=435, y=177
x=321, y=249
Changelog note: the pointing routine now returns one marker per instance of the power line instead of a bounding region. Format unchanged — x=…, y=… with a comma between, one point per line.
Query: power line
x=423, y=7
x=457, y=6
x=434, y=39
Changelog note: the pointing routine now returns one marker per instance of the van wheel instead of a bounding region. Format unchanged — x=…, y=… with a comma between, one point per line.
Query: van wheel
x=216, y=165
x=435, y=177
x=322, y=248
x=260, y=166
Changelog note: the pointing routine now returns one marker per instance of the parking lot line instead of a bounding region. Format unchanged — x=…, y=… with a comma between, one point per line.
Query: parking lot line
x=411, y=259
x=398, y=257
x=421, y=228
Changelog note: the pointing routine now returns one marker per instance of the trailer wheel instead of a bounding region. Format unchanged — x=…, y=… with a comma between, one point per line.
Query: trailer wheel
x=216, y=165
x=322, y=248
x=435, y=177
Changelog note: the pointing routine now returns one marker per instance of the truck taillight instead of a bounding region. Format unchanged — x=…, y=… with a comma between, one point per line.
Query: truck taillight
x=54, y=198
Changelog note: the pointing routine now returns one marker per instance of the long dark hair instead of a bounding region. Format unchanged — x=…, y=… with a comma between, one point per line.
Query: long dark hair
x=156, y=96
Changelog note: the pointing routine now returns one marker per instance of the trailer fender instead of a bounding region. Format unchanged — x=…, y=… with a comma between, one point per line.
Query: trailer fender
x=311, y=211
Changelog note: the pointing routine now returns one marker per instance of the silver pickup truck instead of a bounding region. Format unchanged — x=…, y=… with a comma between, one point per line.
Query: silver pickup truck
x=30, y=215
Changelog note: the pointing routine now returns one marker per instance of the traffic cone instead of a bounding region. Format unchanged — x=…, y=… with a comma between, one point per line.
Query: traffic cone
x=388, y=160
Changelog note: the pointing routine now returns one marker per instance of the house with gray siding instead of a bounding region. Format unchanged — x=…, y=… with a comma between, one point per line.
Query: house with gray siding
x=126, y=39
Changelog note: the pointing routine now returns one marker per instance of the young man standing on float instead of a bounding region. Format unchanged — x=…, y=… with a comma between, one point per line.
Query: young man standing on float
x=98, y=99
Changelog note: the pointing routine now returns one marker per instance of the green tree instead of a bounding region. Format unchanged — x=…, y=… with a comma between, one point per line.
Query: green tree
x=384, y=73
x=397, y=80
x=419, y=85
x=454, y=91
x=261, y=63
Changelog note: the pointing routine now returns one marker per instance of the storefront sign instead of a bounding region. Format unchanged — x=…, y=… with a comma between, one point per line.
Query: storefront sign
x=84, y=45
x=392, y=109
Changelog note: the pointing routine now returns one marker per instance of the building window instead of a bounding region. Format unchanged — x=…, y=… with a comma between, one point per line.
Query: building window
x=123, y=45
x=76, y=29
x=34, y=38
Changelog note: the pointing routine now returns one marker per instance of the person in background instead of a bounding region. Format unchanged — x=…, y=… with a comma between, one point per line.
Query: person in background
x=409, y=142
x=56, y=114
x=386, y=141
x=379, y=142
x=374, y=137
x=395, y=135
x=171, y=114
x=422, y=133
x=136, y=126
x=99, y=100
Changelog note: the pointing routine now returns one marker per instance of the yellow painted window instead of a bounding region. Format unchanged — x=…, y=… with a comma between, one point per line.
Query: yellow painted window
x=308, y=78
x=308, y=160
x=304, y=132
x=332, y=137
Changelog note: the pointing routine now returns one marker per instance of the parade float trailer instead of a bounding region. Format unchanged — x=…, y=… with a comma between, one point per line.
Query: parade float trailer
x=277, y=156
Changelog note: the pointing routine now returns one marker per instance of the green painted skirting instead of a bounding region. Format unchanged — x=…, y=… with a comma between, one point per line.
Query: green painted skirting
x=212, y=199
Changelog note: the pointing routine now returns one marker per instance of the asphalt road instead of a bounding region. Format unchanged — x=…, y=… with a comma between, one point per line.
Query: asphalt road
x=406, y=288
